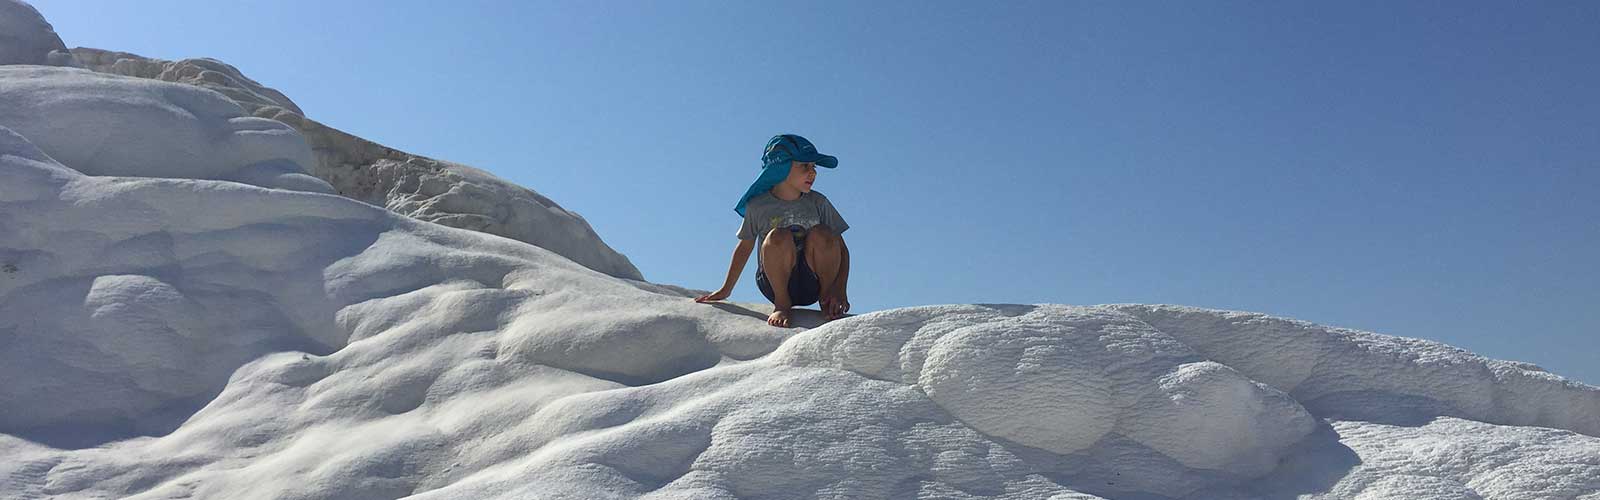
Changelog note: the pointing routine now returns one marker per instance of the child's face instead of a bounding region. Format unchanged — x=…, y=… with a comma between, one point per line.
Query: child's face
x=801, y=175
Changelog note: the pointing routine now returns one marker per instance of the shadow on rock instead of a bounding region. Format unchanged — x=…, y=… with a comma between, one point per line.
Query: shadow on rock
x=1314, y=466
x=1382, y=407
x=800, y=317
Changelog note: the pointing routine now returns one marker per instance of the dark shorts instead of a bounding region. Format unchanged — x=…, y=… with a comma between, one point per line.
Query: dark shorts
x=804, y=288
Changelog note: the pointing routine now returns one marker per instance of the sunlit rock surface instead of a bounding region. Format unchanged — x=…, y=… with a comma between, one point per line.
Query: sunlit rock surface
x=423, y=188
x=173, y=329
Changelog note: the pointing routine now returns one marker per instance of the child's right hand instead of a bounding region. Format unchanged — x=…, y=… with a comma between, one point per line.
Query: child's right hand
x=713, y=296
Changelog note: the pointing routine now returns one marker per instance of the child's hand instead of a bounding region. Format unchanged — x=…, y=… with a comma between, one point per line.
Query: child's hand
x=835, y=307
x=713, y=296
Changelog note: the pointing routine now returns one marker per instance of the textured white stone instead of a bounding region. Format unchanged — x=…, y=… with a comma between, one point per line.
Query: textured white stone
x=337, y=350
x=1443, y=458
x=1094, y=386
x=423, y=188
x=207, y=73
x=110, y=125
x=1354, y=374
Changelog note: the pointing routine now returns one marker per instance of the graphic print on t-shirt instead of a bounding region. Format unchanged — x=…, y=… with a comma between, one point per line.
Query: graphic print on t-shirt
x=767, y=212
x=788, y=216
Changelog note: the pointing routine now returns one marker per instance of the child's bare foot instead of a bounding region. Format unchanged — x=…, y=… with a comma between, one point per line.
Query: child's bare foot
x=779, y=318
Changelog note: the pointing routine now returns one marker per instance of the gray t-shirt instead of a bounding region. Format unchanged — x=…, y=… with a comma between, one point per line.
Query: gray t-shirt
x=765, y=211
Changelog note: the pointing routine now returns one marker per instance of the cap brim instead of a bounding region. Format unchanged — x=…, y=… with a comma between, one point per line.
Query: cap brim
x=822, y=160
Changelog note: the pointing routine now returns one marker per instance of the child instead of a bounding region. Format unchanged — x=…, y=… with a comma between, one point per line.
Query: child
x=798, y=232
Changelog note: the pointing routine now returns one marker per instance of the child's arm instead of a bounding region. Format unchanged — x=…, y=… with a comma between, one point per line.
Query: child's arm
x=741, y=255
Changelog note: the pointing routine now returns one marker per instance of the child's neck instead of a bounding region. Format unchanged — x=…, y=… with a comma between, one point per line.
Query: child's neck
x=785, y=192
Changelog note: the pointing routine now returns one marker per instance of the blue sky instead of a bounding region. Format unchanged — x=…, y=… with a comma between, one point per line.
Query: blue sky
x=1426, y=169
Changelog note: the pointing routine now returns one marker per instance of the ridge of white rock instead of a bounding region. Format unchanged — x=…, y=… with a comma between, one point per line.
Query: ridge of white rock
x=423, y=188
x=1365, y=376
x=201, y=72
x=109, y=125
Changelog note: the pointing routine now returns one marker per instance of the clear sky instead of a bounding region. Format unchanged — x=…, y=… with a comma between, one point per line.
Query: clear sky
x=1426, y=169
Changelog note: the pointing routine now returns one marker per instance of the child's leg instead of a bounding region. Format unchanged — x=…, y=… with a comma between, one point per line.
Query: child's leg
x=826, y=254
x=822, y=253
x=777, y=259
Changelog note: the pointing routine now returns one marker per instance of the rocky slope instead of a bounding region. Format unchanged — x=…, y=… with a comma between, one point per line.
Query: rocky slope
x=423, y=188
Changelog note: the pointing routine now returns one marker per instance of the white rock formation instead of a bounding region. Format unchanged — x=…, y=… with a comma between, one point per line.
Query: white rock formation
x=26, y=38
x=336, y=350
x=448, y=363
x=423, y=188
x=167, y=331
x=202, y=72
x=110, y=125
x=1358, y=375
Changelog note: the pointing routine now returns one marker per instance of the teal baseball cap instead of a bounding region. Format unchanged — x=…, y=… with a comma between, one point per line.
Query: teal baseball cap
x=787, y=147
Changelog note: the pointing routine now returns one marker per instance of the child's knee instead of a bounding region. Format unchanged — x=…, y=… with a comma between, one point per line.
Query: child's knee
x=778, y=244
x=778, y=238
x=821, y=236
